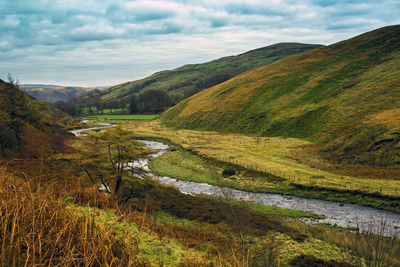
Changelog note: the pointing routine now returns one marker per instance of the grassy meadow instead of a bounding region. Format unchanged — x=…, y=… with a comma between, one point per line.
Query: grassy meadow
x=268, y=157
x=124, y=116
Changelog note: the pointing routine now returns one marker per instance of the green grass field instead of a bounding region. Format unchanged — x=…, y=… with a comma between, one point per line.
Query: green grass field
x=125, y=117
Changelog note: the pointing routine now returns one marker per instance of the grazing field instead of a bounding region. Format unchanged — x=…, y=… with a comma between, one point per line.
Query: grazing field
x=125, y=117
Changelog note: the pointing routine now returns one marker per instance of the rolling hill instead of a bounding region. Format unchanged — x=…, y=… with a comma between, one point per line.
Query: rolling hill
x=346, y=95
x=185, y=81
x=54, y=93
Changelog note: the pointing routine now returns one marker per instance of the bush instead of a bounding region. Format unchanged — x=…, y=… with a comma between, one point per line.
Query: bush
x=228, y=172
x=7, y=139
x=310, y=260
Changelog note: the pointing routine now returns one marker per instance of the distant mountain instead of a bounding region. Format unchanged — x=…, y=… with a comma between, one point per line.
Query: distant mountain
x=346, y=95
x=55, y=93
x=185, y=81
x=29, y=85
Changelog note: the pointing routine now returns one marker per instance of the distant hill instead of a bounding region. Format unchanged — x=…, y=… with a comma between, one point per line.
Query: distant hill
x=54, y=93
x=185, y=81
x=346, y=95
x=32, y=85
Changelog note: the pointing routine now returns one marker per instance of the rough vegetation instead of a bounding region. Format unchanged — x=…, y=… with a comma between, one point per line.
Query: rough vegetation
x=61, y=220
x=37, y=229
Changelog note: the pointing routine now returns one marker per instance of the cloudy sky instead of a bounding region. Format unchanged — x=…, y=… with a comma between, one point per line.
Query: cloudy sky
x=105, y=42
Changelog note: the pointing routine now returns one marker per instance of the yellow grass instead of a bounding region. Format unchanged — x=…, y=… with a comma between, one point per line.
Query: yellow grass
x=266, y=153
x=388, y=117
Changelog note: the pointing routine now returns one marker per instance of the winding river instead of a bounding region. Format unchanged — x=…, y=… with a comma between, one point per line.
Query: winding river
x=346, y=215
x=80, y=132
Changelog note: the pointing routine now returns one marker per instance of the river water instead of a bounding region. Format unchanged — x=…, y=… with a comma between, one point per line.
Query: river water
x=80, y=132
x=346, y=215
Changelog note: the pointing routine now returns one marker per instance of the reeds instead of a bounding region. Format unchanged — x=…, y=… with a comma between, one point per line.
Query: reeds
x=37, y=229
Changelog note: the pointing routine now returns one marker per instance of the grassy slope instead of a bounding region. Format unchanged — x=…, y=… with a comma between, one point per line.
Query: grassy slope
x=189, y=79
x=44, y=123
x=346, y=95
x=314, y=95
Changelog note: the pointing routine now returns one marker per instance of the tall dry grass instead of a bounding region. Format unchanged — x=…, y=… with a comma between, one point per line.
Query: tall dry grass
x=36, y=229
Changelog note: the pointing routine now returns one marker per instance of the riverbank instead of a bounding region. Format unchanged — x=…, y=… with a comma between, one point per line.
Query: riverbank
x=265, y=166
x=293, y=238
x=193, y=167
x=334, y=213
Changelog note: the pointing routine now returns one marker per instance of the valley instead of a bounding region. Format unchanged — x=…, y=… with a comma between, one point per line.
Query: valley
x=267, y=160
x=286, y=155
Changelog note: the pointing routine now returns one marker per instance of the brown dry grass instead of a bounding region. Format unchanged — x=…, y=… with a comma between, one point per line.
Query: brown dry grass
x=37, y=229
x=388, y=117
x=311, y=155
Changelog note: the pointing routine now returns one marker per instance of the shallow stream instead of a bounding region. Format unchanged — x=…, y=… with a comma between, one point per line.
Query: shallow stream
x=346, y=215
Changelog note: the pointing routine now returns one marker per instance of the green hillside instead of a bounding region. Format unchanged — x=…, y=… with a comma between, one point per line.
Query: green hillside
x=185, y=81
x=328, y=93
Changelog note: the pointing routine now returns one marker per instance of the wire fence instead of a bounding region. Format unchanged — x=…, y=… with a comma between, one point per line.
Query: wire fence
x=316, y=180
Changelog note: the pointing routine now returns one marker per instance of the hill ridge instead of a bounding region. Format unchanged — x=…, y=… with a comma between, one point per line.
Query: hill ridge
x=317, y=95
x=184, y=81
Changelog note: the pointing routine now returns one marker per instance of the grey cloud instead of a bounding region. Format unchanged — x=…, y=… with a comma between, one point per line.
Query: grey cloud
x=120, y=13
x=53, y=31
x=167, y=28
x=219, y=22
x=91, y=36
x=253, y=9
x=328, y=3
x=148, y=15
x=36, y=20
x=345, y=25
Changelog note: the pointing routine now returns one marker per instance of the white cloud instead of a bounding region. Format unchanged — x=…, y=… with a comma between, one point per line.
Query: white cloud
x=90, y=42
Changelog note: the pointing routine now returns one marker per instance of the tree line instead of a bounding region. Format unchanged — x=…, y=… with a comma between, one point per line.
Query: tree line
x=148, y=102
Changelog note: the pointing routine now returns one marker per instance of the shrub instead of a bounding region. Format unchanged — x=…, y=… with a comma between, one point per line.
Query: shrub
x=310, y=260
x=7, y=139
x=228, y=172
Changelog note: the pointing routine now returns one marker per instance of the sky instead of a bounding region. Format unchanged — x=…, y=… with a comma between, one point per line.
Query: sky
x=107, y=42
